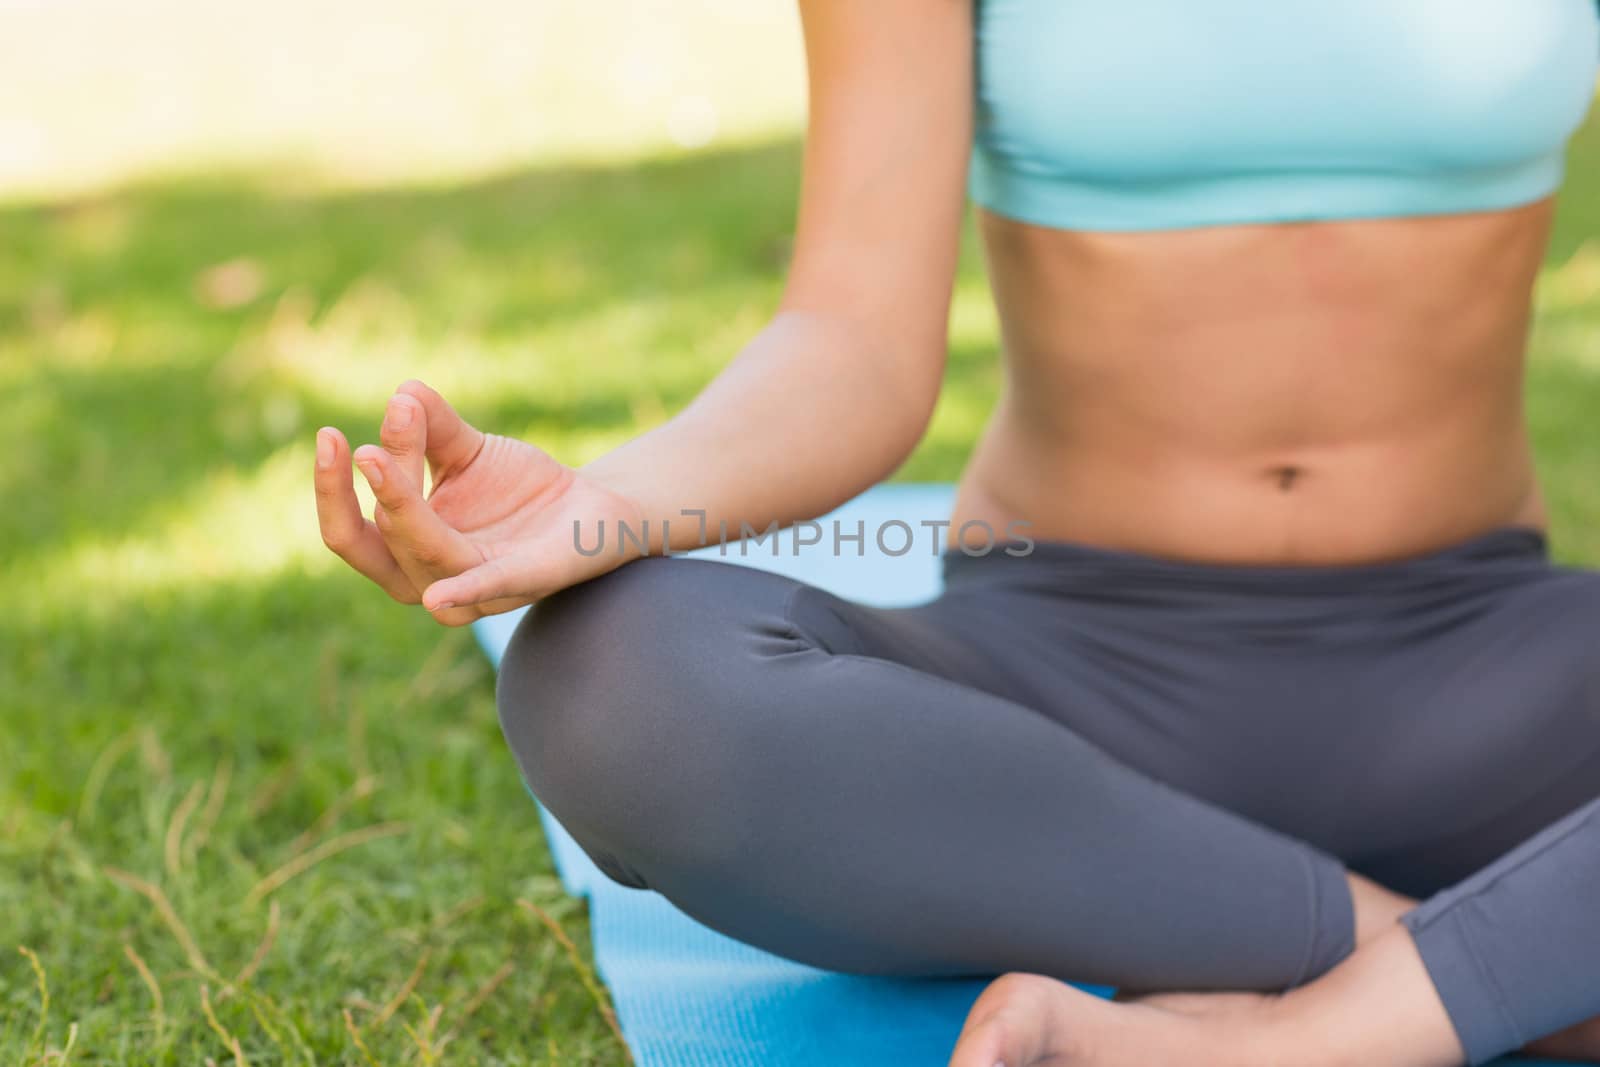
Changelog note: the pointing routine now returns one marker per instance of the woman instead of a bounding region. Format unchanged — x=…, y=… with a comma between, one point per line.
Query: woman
x=1264, y=274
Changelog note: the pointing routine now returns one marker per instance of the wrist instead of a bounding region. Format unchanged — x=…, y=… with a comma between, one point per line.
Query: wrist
x=635, y=521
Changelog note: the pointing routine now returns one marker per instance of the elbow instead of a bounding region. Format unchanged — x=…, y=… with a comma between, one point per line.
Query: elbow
x=906, y=389
x=916, y=395
x=911, y=352
x=883, y=377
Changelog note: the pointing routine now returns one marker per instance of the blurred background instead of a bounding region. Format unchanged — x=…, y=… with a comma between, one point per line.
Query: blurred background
x=250, y=810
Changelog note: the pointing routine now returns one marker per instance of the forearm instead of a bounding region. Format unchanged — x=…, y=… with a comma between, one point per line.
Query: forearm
x=812, y=412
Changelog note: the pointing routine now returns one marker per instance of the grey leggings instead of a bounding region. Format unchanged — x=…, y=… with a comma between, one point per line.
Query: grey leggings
x=1097, y=765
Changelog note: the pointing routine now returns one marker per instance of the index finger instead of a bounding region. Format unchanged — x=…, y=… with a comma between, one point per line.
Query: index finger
x=452, y=441
x=425, y=545
x=348, y=533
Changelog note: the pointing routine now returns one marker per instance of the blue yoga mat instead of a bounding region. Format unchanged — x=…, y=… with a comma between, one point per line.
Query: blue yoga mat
x=687, y=996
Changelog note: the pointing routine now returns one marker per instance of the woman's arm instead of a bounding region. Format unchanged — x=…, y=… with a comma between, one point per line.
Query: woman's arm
x=828, y=399
x=835, y=393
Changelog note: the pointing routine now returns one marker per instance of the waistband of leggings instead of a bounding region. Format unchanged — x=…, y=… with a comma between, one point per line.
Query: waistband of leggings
x=1503, y=551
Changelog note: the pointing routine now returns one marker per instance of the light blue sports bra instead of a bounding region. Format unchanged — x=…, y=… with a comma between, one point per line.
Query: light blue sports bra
x=1165, y=114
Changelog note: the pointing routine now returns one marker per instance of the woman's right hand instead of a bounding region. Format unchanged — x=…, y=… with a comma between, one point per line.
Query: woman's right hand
x=499, y=530
x=828, y=399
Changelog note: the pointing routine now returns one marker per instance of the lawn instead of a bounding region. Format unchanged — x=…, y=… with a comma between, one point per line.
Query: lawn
x=250, y=810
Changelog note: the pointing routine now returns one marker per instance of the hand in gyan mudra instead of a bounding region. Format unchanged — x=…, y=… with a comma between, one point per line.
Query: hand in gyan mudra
x=496, y=531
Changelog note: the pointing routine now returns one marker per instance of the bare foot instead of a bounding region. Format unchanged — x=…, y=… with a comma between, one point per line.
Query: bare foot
x=1025, y=1020
x=1030, y=1021
x=1201, y=1003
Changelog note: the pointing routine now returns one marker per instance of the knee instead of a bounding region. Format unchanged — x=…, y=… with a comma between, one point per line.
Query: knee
x=614, y=697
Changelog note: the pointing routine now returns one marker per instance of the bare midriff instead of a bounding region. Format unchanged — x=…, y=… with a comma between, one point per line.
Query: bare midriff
x=1307, y=393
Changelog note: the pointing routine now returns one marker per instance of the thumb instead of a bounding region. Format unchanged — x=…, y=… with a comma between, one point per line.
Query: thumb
x=492, y=580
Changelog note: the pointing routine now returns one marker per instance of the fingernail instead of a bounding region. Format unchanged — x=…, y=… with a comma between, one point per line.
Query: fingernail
x=324, y=451
x=374, y=475
x=444, y=605
x=399, y=414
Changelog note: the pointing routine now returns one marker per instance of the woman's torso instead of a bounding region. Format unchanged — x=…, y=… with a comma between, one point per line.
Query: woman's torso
x=1188, y=381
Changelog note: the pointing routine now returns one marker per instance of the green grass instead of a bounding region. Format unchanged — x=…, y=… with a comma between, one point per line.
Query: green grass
x=198, y=701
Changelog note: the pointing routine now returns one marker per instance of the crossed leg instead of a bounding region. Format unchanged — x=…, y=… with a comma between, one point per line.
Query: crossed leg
x=1505, y=961
x=856, y=791
x=1506, y=958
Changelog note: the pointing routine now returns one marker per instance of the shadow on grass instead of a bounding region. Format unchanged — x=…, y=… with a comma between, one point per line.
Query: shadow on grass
x=132, y=373
x=120, y=380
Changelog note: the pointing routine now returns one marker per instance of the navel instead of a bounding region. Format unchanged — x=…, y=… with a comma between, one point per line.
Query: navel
x=1286, y=477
